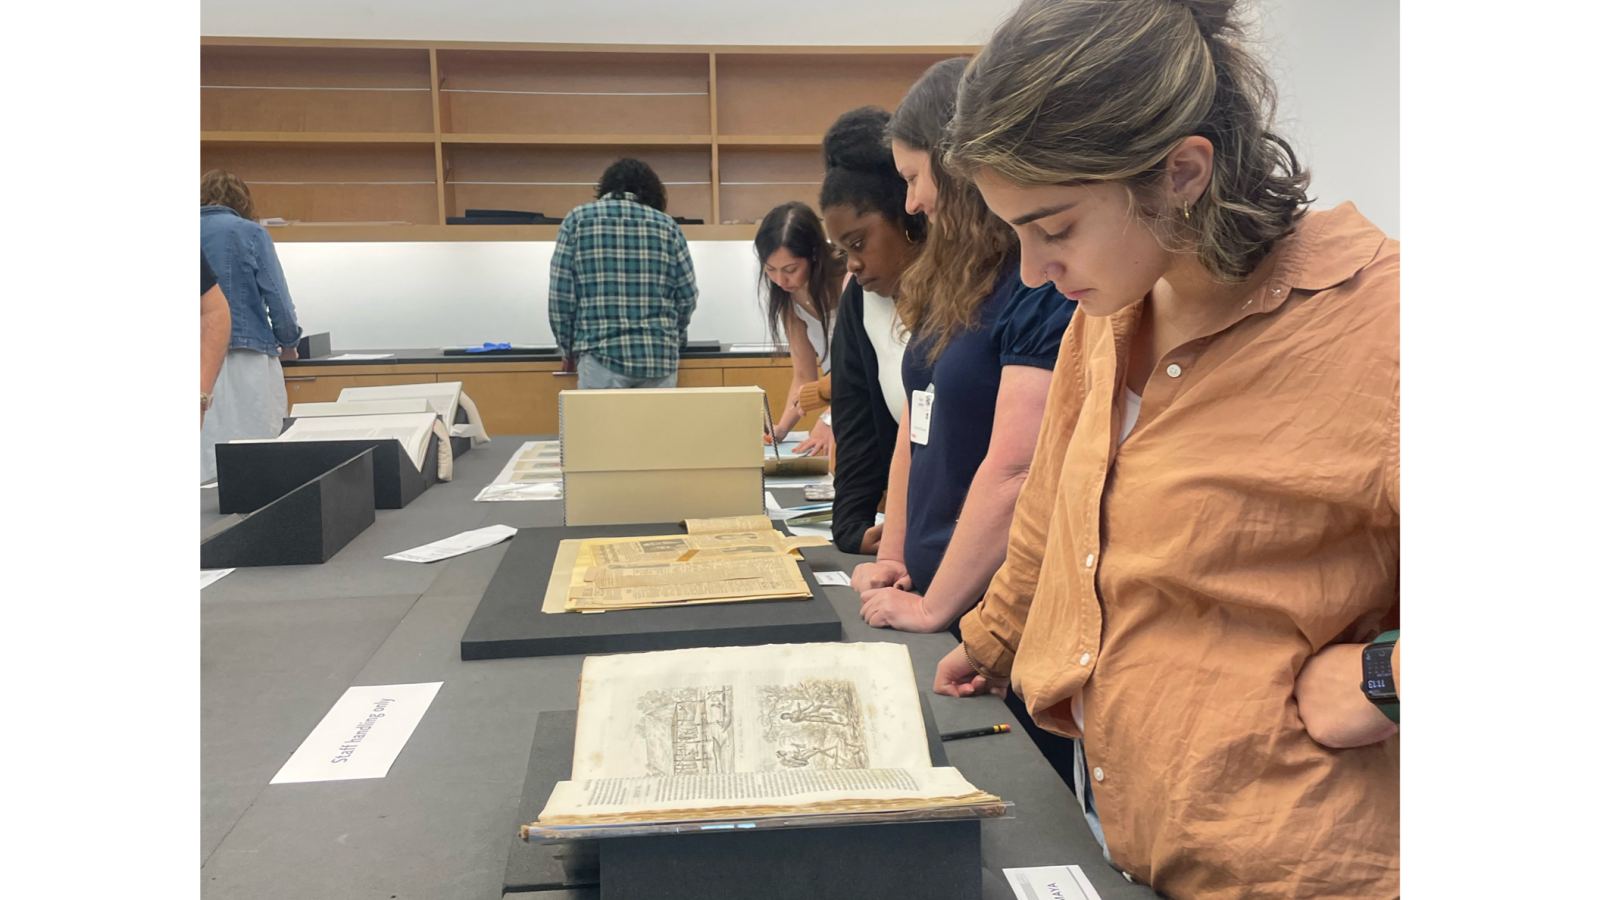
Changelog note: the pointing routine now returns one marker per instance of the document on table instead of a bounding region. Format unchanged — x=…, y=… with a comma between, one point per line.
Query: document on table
x=532, y=473
x=839, y=578
x=361, y=735
x=465, y=542
x=208, y=577
x=1051, y=883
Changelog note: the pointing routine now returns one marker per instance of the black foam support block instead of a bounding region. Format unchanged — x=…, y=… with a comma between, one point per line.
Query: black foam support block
x=922, y=859
x=305, y=525
x=251, y=475
x=509, y=621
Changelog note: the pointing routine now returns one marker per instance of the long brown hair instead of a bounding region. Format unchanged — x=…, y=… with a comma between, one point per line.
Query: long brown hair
x=1101, y=91
x=795, y=227
x=968, y=246
x=219, y=188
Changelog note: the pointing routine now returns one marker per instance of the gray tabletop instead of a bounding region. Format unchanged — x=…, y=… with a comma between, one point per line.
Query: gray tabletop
x=279, y=645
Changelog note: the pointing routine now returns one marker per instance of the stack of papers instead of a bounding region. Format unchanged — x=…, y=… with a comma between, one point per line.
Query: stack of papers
x=717, y=561
x=534, y=473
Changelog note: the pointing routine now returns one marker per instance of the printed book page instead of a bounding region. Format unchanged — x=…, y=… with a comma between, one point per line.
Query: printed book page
x=773, y=708
x=443, y=396
x=411, y=430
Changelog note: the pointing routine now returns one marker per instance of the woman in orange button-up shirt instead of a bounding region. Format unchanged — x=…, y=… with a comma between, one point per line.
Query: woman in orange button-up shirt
x=1214, y=499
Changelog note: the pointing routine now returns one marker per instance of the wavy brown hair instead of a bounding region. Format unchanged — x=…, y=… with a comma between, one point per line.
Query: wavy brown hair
x=795, y=227
x=219, y=188
x=1101, y=91
x=968, y=246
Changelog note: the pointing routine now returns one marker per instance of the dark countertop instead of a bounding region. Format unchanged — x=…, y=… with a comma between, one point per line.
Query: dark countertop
x=436, y=355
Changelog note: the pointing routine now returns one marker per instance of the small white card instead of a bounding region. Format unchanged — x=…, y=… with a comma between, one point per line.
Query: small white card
x=921, y=415
x=839, y=578
x=465, y=542
x=208, y=577
x=361, y=736
x=1051, y=883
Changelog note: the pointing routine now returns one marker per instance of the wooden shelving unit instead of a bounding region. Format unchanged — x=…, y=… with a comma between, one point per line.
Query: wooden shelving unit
x=352, y=134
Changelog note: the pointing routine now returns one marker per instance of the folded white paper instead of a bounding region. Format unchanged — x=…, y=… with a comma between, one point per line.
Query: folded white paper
x=541, y=490
x=208, y=577
x=465, y=542
x=363, y=356
x=1051, y=883
x=840, y=578
x=361, y=736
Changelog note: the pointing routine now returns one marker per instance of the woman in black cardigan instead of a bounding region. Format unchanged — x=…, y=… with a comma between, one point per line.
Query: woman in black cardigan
x=864, y=205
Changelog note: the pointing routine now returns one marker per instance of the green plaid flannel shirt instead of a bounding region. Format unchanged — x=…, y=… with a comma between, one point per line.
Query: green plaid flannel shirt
x=622, y=286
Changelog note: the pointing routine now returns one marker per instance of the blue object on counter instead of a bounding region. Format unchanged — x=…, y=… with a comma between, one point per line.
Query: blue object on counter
x=487, y=347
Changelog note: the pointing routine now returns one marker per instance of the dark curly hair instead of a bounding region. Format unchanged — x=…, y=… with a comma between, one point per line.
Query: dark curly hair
x=859, y=170
x=634, y=177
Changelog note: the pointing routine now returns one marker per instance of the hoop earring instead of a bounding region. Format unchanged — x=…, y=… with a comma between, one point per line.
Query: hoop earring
x=1186, y=210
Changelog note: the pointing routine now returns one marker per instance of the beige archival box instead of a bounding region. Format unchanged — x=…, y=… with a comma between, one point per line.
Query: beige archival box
x=662, y=455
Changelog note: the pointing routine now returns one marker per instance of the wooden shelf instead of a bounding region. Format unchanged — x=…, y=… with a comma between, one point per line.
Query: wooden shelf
x=316, y=137
x=294, y=234
x=596, y=140
x=769, y=140
x=428, y=129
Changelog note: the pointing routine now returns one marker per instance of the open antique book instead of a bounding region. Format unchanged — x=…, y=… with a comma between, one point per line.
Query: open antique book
x=410, y=429
x=717, y=561
x=738, y=733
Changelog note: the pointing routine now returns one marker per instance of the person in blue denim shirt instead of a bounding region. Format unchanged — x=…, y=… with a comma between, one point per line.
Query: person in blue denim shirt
x=249, y=400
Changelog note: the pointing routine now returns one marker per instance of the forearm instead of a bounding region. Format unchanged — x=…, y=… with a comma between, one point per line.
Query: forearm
x=216, y=325
x=893, y=544
x=978, y=546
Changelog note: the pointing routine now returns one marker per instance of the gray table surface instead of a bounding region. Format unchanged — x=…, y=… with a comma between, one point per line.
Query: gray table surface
x=279, y=645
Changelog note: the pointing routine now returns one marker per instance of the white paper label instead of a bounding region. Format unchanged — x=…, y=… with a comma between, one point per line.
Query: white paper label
x=208, y=577
x=1051, y=883
x=361, y=736
x=465, y=542
x=840, y=578
x=921, y=415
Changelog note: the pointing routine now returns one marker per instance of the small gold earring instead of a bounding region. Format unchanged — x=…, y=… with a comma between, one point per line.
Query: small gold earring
x=1186, y=210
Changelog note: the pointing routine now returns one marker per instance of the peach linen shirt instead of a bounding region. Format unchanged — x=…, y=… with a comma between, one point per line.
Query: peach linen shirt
x=1179, y=582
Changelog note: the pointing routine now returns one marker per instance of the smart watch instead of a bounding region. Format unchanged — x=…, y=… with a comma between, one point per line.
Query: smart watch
x=1377, y=675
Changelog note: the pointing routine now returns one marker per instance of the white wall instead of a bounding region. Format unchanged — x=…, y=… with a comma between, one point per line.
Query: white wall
x=1337, y=65
x=458, y=293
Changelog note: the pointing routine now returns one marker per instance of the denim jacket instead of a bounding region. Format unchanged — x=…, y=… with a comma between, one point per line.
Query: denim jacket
x=248, y=272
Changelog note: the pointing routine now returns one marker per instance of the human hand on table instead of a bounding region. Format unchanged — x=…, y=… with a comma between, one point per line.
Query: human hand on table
x=880, y=574
x=956, y=677
x=1335, y=711
x=897, y=608
x=870, y=540
x=816, y=443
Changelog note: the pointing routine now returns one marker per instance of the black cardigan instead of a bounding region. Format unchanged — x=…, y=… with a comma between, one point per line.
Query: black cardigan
x=864, y=431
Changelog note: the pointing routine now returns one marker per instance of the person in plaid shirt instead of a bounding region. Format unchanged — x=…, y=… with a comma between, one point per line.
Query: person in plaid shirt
x=622, y=284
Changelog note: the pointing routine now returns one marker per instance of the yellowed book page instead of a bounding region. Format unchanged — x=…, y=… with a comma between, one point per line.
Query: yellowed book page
x=773, y=585
x=728, y=524
x=555, y=593
x=770, y=708
x=656, y=574
x=623, y=800
x=669, y=547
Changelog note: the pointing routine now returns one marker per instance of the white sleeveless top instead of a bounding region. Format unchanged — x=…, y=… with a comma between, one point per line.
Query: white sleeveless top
x=814, y=334
x=888, y=337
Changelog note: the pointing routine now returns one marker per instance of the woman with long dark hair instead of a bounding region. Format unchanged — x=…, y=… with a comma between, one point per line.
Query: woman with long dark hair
x=802, y=276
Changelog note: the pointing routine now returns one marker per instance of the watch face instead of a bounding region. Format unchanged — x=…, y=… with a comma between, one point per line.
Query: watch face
x=1377, y=674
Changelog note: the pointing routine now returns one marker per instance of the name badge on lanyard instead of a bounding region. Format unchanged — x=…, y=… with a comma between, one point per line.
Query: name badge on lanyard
x=921, y=415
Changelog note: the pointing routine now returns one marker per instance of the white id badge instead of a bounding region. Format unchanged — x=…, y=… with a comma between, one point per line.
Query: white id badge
x=921, y=415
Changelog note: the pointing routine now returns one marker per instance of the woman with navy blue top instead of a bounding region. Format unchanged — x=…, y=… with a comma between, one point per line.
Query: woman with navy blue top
x=976, y=372
x=249, y=400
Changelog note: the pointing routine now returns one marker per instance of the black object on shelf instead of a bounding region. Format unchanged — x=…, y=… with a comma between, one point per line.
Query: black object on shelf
x=508, y=351
x=685, y=221
x=310, y=515
x=703, y=346
x=501, y=217
x=503, y=214
x=315, y=345
x=510, y=622
x=250, y=475
x=919, y=859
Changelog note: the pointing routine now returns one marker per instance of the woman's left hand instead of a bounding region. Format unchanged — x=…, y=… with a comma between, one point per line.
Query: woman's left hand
x=816, y=443
x=892, y=607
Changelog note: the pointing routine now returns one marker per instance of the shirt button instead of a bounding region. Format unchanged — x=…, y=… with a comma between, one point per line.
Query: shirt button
x=1083, y=660
x=1088, y=561
x=1174, y=370
x=1099, y=774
